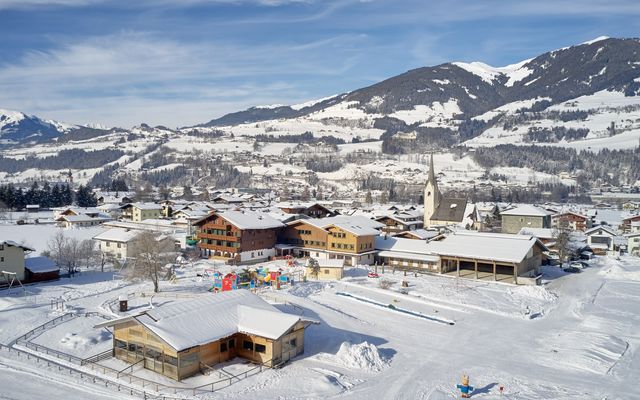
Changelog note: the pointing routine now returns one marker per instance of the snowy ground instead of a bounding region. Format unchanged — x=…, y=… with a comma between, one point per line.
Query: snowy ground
x=574, y=337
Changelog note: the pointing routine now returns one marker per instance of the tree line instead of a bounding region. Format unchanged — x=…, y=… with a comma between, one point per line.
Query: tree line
x=46, y=196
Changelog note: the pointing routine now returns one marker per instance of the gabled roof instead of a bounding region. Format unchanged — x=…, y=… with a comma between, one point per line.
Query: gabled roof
x=245, y=219
x=453, y=210
x=486, y=246
x=211, y=317
x=356, y=230
x=143, y=206
x=422, y=234
x=569, y=212
x=540, y=233
x=117, y=235
x=402, y=245
x=15, y=244
x=605, y=228
x=81, y=218
x=527, y=210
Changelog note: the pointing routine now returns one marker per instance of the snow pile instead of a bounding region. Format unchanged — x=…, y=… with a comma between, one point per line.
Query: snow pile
x=364, y=356
x=534, y=292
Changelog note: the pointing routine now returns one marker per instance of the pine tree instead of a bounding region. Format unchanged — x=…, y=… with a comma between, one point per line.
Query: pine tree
x=368, y=199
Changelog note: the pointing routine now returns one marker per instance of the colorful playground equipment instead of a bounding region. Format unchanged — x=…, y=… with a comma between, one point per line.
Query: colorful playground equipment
x=248, y=279
x=224, y=283
x=465, y=389
x=273, y=278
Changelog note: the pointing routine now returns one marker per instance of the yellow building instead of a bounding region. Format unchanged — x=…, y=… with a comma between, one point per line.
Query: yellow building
x=137, y=212
x=343, y=238
x=328, y=270
x=184, y=338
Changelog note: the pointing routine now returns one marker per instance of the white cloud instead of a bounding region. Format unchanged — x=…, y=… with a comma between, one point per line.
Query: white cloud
x=132, y=77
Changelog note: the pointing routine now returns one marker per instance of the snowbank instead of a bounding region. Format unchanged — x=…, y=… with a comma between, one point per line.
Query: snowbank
x=364, y=356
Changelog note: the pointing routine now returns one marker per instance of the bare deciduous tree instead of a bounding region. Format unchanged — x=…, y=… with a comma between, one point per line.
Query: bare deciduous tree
x=69, y=253
x=562, y=235
x=152, y=252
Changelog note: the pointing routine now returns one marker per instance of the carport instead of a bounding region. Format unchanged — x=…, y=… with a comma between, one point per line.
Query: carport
x=474, y=268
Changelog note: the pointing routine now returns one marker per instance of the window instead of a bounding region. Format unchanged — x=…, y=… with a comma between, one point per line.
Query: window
x=327, y=272
x=260, y=348
x=1, y=247
x=120, y=344
x=247, y=345
x=119, y=245
x=293, y=342
x=223, y=347
x=232, y=344
x=107, y=244
x=1, y=259
x=170, y=360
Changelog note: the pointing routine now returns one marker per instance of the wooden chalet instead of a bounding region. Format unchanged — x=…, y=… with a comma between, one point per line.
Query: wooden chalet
x=238, y=236
x=188, y=337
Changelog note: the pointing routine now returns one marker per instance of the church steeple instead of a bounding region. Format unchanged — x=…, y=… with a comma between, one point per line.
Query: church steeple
x=432, y=174
x=432, y=194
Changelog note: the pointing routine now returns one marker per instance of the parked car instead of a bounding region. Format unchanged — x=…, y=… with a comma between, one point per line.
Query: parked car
x=572, y=270
x=578, y=264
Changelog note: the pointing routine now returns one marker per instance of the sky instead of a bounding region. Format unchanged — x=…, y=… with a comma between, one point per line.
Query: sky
x=184, y=62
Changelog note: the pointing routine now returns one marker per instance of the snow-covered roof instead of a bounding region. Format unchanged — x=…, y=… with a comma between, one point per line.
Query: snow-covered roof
x=604, y=228
x=79, y=218
x=212, y=317
x=146, y=206
x=356, y=230
x=487, y=246
x=40, y=264
x=558, y=215
x=421, y=233
x=117, y=235
x=15, y=244
x=402, y=245
x=540, y=233
x=246, y=219
x=527, y=210
x=357, y=225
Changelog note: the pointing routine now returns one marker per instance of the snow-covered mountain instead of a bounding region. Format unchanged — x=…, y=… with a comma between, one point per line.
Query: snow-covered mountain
x=584, y=97
x=17, y=127
x=456, y=102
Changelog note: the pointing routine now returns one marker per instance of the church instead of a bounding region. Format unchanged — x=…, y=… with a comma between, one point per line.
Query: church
x=445, y=211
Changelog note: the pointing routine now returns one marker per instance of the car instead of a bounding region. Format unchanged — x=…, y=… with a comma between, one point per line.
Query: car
x=373, y=275
x=572, y=270
x=578, y=264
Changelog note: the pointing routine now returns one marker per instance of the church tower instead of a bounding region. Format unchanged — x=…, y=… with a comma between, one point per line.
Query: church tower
x=432, y=195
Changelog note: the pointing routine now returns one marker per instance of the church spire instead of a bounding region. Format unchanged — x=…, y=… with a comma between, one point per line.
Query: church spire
x=432, y=174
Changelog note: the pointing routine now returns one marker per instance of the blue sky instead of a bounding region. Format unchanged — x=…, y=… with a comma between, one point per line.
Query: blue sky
x=182, y=62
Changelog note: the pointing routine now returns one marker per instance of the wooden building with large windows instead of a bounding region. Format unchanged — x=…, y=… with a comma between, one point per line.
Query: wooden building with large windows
x=184, y=338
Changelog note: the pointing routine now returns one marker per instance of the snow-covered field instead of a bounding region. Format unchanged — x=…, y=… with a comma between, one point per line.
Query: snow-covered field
x=574, y=337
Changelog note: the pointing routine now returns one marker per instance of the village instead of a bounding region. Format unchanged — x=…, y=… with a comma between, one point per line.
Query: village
x=177, y=298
